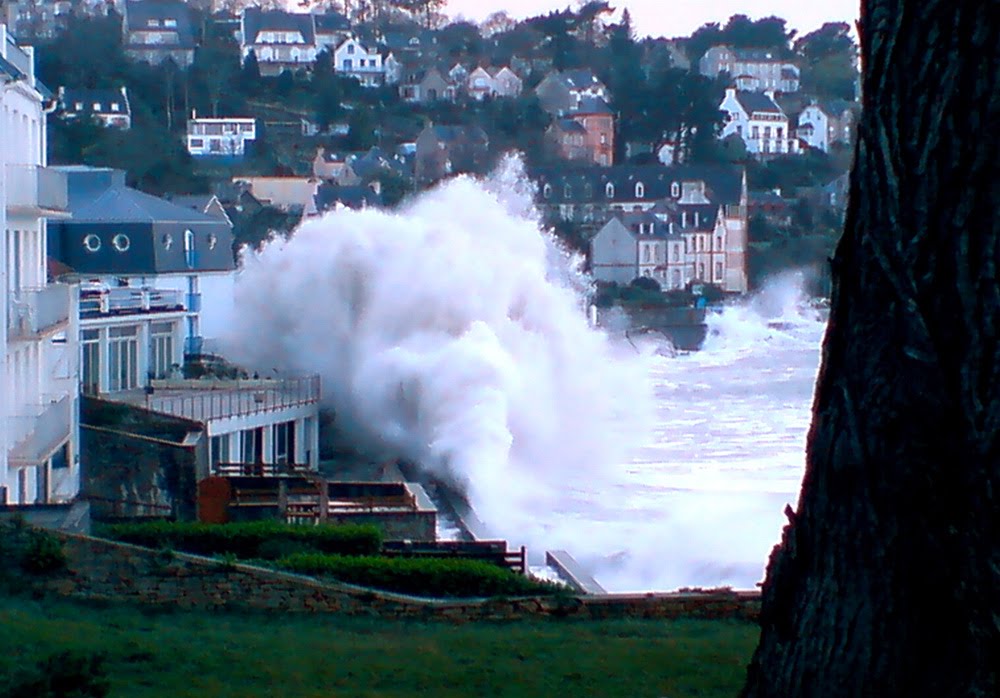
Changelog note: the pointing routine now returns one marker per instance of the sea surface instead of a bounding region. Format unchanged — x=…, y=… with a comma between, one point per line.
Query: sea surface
x=701, y=503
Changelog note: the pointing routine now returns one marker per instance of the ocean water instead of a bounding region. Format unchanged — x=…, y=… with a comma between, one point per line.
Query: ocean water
x=452, y=333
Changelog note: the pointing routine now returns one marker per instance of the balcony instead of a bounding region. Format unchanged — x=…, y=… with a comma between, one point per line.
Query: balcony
x=35, y=311
x=202, y=400
x=101, y=300
x=34, y=190
x=39, y=432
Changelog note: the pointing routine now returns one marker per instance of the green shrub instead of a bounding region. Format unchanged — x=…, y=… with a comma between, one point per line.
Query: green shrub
x=419, y=576
x=63, y=675
x=42, y=553
x=258, y=539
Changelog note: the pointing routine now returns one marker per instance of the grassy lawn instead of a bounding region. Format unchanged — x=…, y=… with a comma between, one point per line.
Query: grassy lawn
x=177, y=654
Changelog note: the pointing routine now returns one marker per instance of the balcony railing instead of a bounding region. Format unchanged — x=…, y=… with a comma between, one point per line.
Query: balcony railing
x=41, y=430
x=35, y=187
x=33, y=311
x=126, y=300
x=203, y=400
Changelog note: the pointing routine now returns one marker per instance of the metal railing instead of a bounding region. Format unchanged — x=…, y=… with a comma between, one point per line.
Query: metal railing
x=31, y=311
x=36, y=187
x=261, y=469
x=126, y=300
x=204, y=400
x=38, y=433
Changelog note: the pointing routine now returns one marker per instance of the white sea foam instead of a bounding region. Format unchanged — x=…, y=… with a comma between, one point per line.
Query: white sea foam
x=451, y=333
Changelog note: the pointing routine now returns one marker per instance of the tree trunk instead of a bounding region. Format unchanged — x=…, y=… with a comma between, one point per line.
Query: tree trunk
x=887, y=579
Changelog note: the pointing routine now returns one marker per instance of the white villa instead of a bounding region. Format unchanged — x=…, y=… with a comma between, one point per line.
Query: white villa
x=223, y=137
x=355, y=60
x=39, y=346
x=759, y=121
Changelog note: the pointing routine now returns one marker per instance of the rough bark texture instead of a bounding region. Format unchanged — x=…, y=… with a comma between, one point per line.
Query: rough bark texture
x=887, y=579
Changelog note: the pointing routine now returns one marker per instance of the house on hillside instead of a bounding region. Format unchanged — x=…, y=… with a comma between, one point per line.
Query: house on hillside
x=561, y=92
x=155, y=30
x=110, y=108
x=425, y=86
x=701, y=201
x=354, y=60
x=587, y=132
x=496, y=82
x=759, y=121
x=293, y=195
x=447, y=150
x=280, y=40
x=751, y=69
x=822, y=125
x=39, y=341
x=225, y=137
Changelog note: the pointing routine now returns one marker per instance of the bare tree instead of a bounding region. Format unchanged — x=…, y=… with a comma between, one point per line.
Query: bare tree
x=887, y=579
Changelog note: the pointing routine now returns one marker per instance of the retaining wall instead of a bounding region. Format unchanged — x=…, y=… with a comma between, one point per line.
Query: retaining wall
x=108, y=570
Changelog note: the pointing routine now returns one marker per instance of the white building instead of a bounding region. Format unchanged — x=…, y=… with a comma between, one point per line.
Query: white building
x=223, y=137
x=759, y=121
x=355, y=60
x=39, y=346
x=156, y=279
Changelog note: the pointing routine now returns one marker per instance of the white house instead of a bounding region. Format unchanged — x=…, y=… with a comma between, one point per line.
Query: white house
x=814, y=127
x=496, y=82
x=759, y=121
x=39, y=346
x=280, y=40
x=156, y=284
x=223, y=137
x=354, y=59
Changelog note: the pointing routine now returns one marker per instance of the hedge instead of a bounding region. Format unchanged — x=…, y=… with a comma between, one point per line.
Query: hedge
x=434, y=577
x=258, y=539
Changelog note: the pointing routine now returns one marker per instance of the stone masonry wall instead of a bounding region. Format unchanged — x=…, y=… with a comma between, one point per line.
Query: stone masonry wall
x=107, y=570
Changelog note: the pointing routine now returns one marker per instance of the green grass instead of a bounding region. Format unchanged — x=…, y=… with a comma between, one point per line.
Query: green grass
x=178, y=654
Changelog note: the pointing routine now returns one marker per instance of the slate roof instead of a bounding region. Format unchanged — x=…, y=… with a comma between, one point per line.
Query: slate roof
x=757, y=102
x=139, y=12
x=331, y=22
x=70, y=96
x=592, y=105
x=580, y=79
x=450, y=134
x=354, y=197
x=569, y=126
x=723, y=185
x=256, y=20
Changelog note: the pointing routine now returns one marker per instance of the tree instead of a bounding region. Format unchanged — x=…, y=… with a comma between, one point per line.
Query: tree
x=885, y=581
x=828, y=58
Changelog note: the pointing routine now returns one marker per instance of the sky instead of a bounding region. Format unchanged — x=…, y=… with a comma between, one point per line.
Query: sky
x=672, y=18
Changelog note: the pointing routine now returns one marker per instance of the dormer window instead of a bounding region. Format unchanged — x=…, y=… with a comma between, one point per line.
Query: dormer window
x=189, y=257
x=609, y=190
x=675, y=190
x=114, y=106
x=170, y=23
x=547, y=191
x=97, y=106
x=153, y=23
x=78, y=106
x=640, y=190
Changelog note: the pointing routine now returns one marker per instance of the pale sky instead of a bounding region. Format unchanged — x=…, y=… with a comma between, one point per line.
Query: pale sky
x=678, y=17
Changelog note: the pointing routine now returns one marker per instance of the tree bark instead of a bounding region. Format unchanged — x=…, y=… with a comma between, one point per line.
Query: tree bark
x=887, y=578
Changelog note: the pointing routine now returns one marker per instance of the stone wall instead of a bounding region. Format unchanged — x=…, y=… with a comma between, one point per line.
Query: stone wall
x=107, y=570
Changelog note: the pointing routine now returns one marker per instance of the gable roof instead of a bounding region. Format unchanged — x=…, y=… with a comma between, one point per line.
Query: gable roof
x=757, y=102
x=330, y=22
x=592, y=105
x=569, y=126
x=256, y=20
x=138, y=14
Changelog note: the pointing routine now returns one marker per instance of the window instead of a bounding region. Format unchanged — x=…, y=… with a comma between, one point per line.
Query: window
x=91, y=369
x=609, y=190
x=677, y=279
x=675, y=190
x=197, y=142
x=161, y=349
x=123, y=357
x=92, y=243
x=647, y=253
x=121, y=242
x=189, y=256
x=213, y=240
x=718, y=271
x=115, y=107
x=348, y=64
x=350, y=48
x=547, y=191
x=170, y=23
x=252, y=446
x=167, y=240
x=640, y=190
x=284, y=442
x=78, y=106
x=677, y=253
x=718, y=244
x=220, y=450
x=701, y=271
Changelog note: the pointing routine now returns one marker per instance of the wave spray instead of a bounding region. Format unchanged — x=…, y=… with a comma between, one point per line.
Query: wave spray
x=451, y=333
